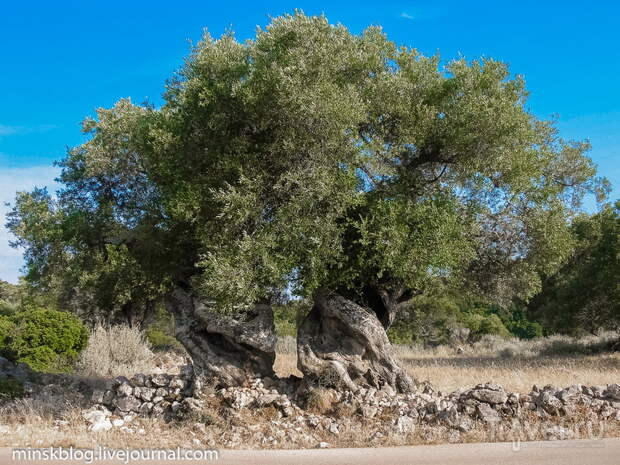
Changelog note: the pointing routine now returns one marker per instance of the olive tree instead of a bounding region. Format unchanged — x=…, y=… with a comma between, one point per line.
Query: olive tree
x=337, y=167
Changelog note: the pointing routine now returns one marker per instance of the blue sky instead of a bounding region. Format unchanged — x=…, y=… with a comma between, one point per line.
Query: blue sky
x=61, y=60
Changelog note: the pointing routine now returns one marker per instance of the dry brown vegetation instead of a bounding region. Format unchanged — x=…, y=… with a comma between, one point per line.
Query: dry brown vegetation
x=32, y=426
x=122, y=350
x=516, y=365
x=118, y=350
x=55, y=417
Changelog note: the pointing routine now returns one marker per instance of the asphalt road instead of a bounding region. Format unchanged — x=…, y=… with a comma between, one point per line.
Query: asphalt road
x=599, y=452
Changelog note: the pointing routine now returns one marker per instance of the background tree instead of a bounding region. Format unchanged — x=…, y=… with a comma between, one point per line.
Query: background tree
x=9, y=298
x=584, y=294
x=340, y=167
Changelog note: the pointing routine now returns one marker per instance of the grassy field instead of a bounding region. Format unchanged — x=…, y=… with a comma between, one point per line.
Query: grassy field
x=516, y=365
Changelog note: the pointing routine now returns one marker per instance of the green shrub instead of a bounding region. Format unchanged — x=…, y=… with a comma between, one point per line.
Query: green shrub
x=6, y=308
x=492, y=324
x=10, y=388
x=159, y=340
x=288, y=317
x=7, y=328
x=160, y=333
x=401, y=334
x=481, y=324
x=524, y=329
x=429, y=320
x=48, y=340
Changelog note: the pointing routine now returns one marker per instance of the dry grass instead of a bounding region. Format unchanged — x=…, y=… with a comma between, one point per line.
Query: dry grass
x=116, y=351
x=515, y=374
x=517, y=365
x=213, y=428
x=54, y=417
x=319, y=401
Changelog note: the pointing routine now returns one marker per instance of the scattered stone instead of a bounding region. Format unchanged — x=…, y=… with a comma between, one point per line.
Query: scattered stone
x=613, y=391
x=119, y=380
x=450, y=416
x=465, y=424
x=487, y=414
x=160, y=380
x=97, y=396
x=145, y=408
x=144, y=393
x=570, y=393
x=158, y=410
x=104, y=425
x=405, y=424
x=265, y=400
x=177, y=383
x=490, y=397
x=333, y=428
x=549, y=403
x=435, y=413
x=368, y=411
x=98, y=420
x=556, y=433
x=124, y=389
x=139, y=380
x=376, y=436
x=94, y=416
x=127, y=404
x=191, y=405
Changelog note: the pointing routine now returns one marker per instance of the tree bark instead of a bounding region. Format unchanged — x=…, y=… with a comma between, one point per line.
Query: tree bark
x=385, y=301
x=340, y=343
x=230, y=350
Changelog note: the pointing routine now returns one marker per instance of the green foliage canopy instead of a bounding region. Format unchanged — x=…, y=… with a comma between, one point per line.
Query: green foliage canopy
x=309, y=158
x=584, y=294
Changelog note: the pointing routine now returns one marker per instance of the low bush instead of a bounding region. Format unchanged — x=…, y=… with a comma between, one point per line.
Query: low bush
x=7, y=327
x=47, y=340
x=288, y=316
x=6, y=308
x=524, y=329
x=159, y=340
x=160, y=333
x=10, y=388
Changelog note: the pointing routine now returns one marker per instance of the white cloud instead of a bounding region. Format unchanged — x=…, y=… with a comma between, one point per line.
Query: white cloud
x=406, y=15
x=13, y=180
x=7, y=130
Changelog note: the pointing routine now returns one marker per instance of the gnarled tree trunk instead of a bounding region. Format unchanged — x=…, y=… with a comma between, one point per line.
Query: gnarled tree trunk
x=231, y=350
x=342, y=343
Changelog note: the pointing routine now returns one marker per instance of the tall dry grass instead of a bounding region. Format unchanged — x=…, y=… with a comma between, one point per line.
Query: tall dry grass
x=54, y=416
x=118, y=350
x=516, y=364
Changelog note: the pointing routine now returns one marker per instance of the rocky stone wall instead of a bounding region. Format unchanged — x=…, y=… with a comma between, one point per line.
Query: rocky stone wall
x=459, y=411
x=149, y=395
x=116, y=403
